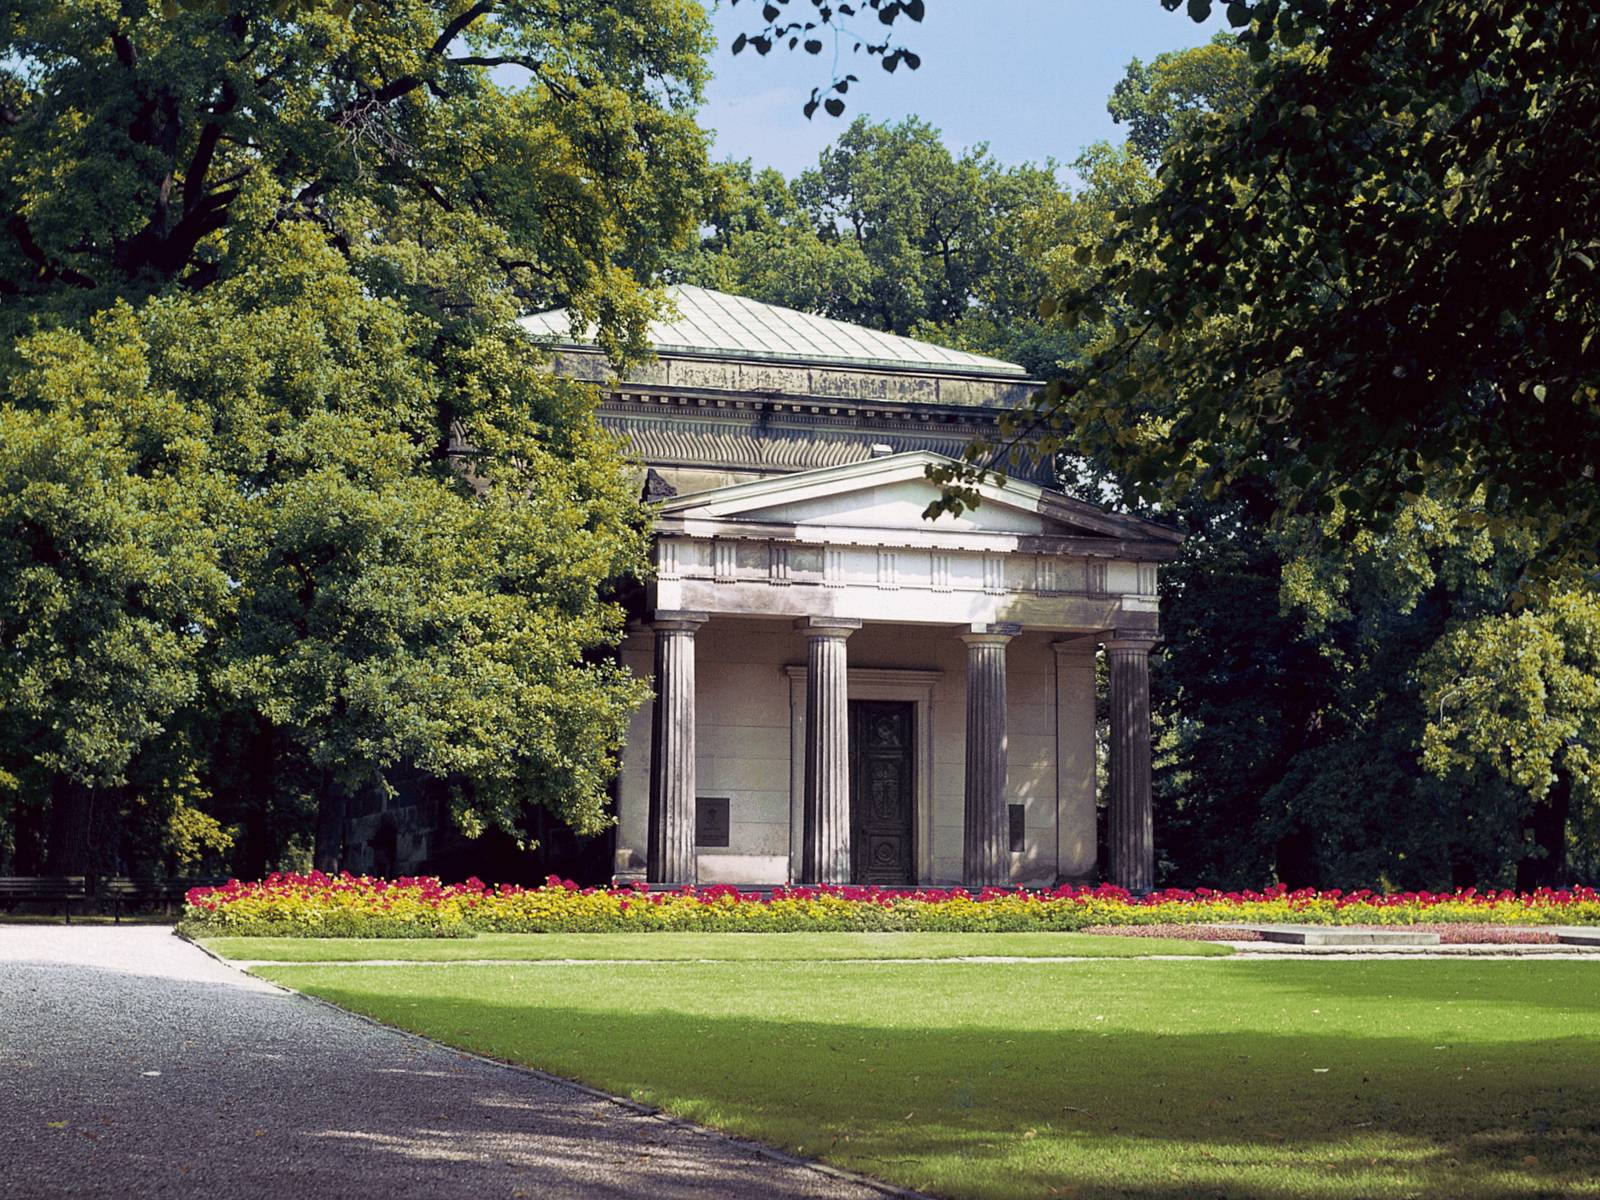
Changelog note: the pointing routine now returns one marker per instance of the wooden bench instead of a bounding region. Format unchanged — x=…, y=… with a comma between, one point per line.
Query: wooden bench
x=168, y=893
x=49, y=889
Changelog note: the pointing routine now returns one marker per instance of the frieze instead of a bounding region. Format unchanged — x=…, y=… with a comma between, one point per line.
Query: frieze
x=761, y=439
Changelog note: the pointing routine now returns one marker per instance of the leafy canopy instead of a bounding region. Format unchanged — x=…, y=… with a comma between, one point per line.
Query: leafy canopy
x=1366, y=284
x=286, y=481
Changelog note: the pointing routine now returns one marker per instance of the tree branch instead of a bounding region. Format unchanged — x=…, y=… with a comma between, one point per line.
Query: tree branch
x=194, y=178
x=49, y=269
x=453, y=30
x=392, y=91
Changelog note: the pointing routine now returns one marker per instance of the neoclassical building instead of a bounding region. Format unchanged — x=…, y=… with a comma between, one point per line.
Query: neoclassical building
x=845, y=690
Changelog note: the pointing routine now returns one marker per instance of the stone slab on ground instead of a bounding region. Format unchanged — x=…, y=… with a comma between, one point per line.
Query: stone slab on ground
x=134, y=1065
x=1253, y=951
x=1577, y=935
x=1336, y=935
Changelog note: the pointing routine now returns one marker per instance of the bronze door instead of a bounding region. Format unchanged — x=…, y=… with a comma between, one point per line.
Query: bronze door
x=882, y=793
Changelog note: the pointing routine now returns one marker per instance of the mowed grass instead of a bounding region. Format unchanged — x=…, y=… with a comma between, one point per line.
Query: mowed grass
x=1121, y=1078
x=732, y=947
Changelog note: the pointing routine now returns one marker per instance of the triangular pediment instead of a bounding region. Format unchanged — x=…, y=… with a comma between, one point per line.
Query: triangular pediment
x=894, y=492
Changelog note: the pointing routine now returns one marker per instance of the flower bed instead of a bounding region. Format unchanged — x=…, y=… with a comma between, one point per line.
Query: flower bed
x=318, y=905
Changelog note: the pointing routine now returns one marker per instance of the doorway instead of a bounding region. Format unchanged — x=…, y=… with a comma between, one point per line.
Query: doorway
x=883, y=798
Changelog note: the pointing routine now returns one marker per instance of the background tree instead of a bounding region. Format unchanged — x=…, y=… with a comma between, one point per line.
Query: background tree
x=893, y=230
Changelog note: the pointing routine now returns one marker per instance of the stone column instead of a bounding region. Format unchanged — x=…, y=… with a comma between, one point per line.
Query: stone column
x=825, y=850
x=1130, y=836
x=671, y=850
x=986, y=857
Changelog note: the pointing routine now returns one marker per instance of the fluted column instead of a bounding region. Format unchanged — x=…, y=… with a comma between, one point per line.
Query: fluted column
x=825, y=851
x=1130, y=833
x=986, y=855
x=672, y=784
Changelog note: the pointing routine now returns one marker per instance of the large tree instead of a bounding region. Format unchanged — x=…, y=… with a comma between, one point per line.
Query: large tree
x=307, y=229
x=1375, y=280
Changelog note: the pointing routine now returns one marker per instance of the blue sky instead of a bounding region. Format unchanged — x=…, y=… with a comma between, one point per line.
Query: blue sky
x=1030, y=77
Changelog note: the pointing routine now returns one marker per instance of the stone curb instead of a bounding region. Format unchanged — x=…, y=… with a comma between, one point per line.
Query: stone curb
x=633, y=1106
x=1263, y=949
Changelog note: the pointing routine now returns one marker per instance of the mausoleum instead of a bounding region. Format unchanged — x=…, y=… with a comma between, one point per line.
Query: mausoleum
x=845, y=690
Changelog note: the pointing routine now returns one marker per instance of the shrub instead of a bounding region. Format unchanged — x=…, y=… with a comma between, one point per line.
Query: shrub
x=318, y=905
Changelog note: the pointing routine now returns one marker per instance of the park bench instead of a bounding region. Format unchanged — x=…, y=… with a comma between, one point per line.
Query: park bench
x=132, y=893
x=44, y=889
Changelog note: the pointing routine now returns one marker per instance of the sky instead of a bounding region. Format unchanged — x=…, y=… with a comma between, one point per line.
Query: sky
x=1029, y=77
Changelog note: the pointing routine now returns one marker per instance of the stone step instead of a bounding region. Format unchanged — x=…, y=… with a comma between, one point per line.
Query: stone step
x=1577, y=935
x=1336, y=935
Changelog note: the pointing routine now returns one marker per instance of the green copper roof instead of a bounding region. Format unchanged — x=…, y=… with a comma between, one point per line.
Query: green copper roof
x=717, y=325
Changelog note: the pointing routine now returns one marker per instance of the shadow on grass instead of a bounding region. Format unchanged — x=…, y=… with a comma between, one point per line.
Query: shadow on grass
x=1511, y=982
x=990, y=1110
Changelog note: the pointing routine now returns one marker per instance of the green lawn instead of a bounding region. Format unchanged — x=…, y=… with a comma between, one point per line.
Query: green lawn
x=670, y=947
x=1121, y=1078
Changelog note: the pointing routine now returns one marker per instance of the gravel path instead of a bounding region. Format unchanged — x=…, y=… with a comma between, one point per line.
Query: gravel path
x=133, y=1065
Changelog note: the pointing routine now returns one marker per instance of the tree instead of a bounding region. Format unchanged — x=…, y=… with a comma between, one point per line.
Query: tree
x=309, y=232
x=1170, y=98
x=132, y=142
x=1516, y=696
x=839, y=26
x=1361, y=286
x=110, y=586
x=1308, y=644
x=1388, y=188
x=893, y=230
x=763, y=242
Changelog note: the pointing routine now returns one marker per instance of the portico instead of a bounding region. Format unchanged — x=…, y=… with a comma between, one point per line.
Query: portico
x=834, y=577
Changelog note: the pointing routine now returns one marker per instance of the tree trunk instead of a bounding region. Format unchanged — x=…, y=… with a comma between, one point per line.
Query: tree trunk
x=1547, y=822
x=328, y=854
x=67, y=842
x=259, y=771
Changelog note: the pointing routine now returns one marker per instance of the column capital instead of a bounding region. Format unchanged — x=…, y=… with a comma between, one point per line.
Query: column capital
x=672, y=620
x=827, y=627
x=990, y=633
x=1132, y=639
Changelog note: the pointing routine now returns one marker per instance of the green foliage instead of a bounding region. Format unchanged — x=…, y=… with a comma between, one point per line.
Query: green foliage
x=1294, y=695
x=197, y=839
x=1361, y=285
x=829, y=25
x=109, y=581
x=291, y=507
x=1173, y=96
x=892, y=230
x=1518, y=695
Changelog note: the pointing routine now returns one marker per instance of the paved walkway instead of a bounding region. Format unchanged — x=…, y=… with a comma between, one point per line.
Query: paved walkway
x=133, y=1065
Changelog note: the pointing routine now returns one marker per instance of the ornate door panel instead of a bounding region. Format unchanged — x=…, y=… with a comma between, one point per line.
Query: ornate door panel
x=882, y=792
